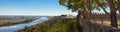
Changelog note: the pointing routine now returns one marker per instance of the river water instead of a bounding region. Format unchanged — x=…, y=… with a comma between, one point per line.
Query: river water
x=18, y=27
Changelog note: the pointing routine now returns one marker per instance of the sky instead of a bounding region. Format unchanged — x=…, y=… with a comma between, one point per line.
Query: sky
x=33, y=7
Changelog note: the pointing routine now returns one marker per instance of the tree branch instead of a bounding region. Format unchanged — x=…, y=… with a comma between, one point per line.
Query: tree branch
x=102, y=7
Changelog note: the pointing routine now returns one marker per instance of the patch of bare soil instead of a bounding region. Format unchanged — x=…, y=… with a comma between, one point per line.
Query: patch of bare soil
x=108, y=23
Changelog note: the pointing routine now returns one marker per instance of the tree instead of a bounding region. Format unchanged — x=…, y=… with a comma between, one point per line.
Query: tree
x=84, y=6
x=74, y=5
x=112, y=5
x=113, y=17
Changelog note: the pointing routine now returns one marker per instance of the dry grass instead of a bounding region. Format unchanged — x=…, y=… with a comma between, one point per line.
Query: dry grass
x=108, y=23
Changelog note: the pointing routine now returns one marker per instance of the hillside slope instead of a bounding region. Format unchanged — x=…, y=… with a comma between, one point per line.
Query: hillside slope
x=55, y=24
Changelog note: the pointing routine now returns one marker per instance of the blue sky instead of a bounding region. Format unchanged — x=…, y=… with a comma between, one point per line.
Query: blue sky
x=32, y=7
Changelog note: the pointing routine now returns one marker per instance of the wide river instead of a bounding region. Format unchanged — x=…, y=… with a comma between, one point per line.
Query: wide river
x=18, y=27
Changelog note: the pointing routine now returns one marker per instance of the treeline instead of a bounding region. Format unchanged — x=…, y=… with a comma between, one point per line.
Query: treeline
x=55, y=24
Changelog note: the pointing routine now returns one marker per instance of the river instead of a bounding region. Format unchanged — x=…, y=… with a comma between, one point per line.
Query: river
x=18, y=27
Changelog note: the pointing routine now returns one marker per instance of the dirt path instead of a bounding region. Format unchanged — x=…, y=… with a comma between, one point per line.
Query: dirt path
x=107, y=23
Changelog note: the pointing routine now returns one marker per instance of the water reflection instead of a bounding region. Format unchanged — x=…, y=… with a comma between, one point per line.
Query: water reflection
x=17, y=27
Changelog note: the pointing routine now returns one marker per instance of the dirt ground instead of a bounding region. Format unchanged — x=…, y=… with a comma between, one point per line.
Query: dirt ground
x=108, y=23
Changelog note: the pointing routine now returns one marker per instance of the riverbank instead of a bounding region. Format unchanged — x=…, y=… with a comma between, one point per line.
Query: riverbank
x=17, y=27
x=55, y=24
x=25, y=21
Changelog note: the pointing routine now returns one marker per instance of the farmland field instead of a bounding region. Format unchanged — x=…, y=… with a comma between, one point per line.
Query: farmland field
x=11, y=20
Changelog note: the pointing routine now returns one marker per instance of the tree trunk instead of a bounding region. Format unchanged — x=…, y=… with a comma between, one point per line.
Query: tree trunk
x=79, y=19
x=89, y=9
x=113, y=17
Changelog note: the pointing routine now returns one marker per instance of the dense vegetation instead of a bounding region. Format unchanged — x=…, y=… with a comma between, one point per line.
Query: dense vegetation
x=55, y=24
x=8, y=24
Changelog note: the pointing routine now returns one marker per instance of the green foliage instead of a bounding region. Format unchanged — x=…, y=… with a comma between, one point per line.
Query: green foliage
x=63, y=15
x=55, y=25
x=79, y=5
